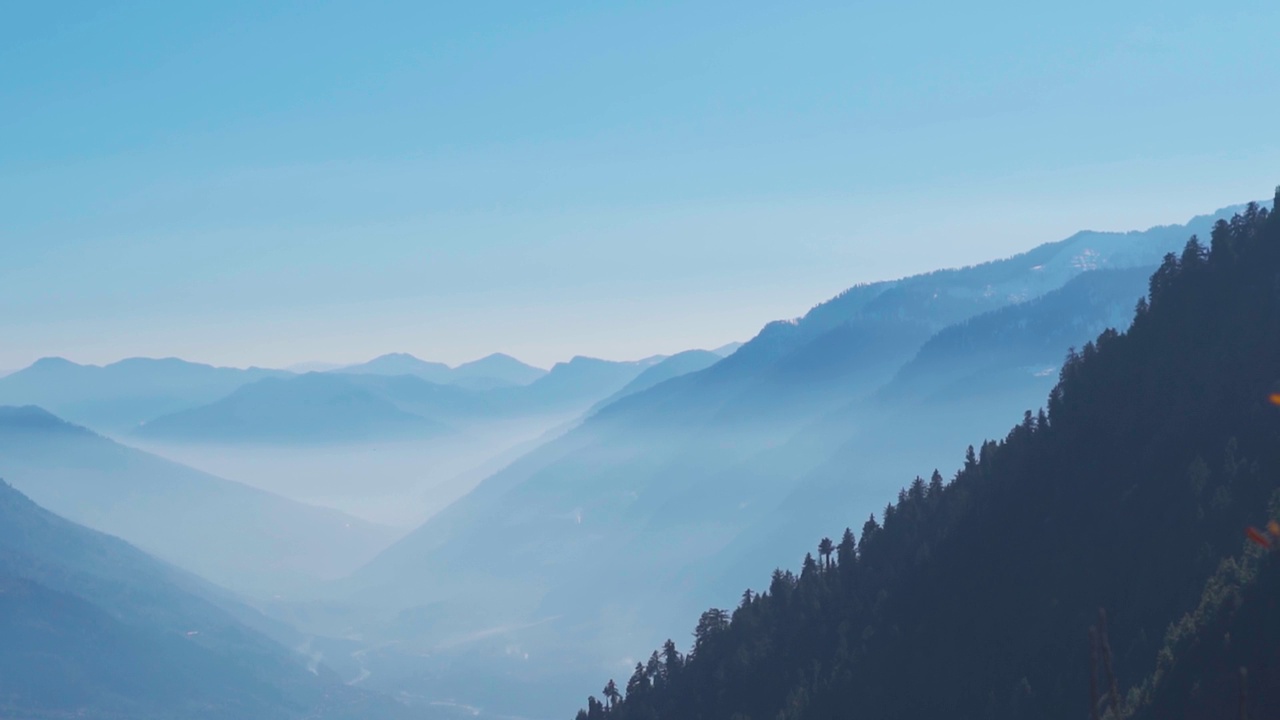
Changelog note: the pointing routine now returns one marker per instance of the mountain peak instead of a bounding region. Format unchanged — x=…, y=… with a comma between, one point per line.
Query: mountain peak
x=150, y=363
x=499, y=367
x=495, y=359
x=53, y=363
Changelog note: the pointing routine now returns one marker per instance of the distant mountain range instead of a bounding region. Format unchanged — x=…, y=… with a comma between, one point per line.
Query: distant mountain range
x=372, y=406
x=120, y=396
x=240, y=537
x=311, y=408
x=393, y=397
x=496, y=370
x=92, y=628
x=689, y=361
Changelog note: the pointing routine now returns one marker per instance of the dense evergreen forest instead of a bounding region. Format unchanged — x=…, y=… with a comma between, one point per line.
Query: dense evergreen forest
x=1097, y=554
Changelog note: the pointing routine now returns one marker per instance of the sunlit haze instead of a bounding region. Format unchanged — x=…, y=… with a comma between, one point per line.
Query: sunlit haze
x=264, y=184
x=639, y=360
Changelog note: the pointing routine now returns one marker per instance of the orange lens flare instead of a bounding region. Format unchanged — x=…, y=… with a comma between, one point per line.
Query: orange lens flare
x=1258, y=537
x=1275, y=398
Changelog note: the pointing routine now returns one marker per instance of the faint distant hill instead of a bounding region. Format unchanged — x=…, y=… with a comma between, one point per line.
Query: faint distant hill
x=727, y=349
x=492, y=371
x=119, y=396
x=93, y=628
x=574, y=385
x=400, y=364
x=500, y=367
x=243, y=538
x=679, y=364
x=341, y=407
x=311, y=408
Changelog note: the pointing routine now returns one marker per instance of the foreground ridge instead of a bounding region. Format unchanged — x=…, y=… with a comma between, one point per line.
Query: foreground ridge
x=974, y=597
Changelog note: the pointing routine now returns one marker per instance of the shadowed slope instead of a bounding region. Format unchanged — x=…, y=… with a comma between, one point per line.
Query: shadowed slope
x=90, y=627
x=241, y=537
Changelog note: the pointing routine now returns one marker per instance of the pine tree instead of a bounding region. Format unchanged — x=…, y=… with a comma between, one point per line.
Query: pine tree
x=611, y=695
x=825, y=548
x=809, y=567
x=935, y=485
x=869, y=528
x=845, y=551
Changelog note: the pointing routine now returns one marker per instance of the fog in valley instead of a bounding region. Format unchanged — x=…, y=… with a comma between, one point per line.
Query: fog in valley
x=639, y=361
x=495, y=544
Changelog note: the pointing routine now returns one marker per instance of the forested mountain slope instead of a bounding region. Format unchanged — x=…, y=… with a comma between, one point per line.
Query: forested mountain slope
x=681, y=433
x=964, y=383
x=974, y=597
x=702, y=480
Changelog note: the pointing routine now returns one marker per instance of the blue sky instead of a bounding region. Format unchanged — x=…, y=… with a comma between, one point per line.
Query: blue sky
x=272, y=182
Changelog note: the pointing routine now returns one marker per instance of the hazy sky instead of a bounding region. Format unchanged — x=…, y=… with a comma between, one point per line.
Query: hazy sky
x=271, y=182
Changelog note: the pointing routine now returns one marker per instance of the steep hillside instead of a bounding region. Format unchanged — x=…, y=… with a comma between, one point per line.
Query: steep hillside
x=965, y=382
x=987, y=352
x=696, y=429
x=974, y=598
x=1224, y=655
x=242, y=538
x=92, y=628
